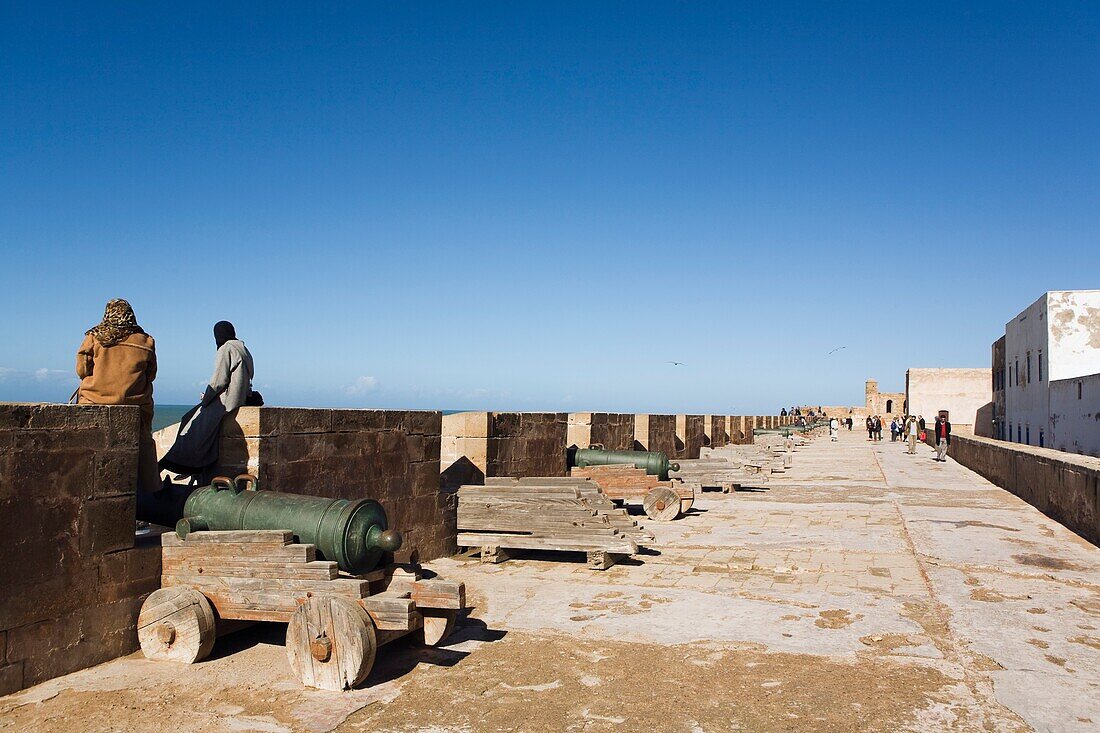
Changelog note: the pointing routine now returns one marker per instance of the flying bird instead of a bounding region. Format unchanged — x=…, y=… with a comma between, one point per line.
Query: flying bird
x=675, y=363
x=837, y=349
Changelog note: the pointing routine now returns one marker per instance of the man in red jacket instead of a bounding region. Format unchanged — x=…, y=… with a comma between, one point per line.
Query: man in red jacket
x=943, y=437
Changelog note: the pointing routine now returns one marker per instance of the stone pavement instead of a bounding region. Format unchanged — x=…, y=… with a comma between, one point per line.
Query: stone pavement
x=864, y=590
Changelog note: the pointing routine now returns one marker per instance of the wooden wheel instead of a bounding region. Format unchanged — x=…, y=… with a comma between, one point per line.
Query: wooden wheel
x=330, y=642
x=176, y=624
x=661, y=504
x=438, y=625
x=686, y=504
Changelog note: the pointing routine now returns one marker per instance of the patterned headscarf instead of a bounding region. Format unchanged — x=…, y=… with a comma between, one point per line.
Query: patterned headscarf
x=118, y=323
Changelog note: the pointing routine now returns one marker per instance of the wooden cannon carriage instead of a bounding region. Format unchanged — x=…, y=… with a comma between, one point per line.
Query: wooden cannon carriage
x=559, y=514
x=722, y=474
x=212, y=581
x=661, y=500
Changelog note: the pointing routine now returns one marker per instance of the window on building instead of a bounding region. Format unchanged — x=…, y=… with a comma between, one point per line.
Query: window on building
x=1078, y=390
x=1027, y=434
x=1041, y=439
x=1017, y=372
x=1040, y=366
x=1028, y=369
x=1019, y=434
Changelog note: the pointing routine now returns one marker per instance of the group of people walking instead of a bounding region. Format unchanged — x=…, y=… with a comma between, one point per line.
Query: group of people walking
x=910, y=429
x=117, y=364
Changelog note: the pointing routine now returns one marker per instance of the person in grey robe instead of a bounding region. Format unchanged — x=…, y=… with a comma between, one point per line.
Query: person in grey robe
x=195, y=452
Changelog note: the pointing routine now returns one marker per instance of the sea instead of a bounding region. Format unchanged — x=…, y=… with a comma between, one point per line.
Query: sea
x=165, y=415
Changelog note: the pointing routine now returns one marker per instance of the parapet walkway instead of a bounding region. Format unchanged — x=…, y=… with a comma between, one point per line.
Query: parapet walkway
x=865, y=590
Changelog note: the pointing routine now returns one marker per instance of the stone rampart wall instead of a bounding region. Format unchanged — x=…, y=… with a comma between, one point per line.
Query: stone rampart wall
x=614, y=431
x=1064, y=486
x=71, y=579
x=690, y=436
x=391, y=456
x=527, y=444
x=717, y=436
x=662, y=434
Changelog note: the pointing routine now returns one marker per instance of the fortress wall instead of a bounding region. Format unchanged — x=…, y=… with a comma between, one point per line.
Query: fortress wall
x=391, y=456
x=614, y=431
x=662, y=434
x=1064, y=486
x=71, y=578
x=716, y=435
x=690, y=436
x=527, y=444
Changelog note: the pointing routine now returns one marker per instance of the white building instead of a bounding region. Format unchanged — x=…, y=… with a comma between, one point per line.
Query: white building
x=1052, y=353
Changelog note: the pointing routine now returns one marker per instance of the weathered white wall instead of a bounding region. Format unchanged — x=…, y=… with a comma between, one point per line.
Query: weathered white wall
x=1075, y=421
x=966, y=394
x=1063, y=326
x=1027, y=404
x=1073, y=322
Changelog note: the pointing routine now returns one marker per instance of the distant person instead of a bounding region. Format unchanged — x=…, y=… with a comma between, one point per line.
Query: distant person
x=783, y=412
x=912, y=429
x=849, y=421
x=195, y=452
x=870, y=427
x=117, y=363
x=834, y=429
x=921, y=423
x=893, y=430
x=943, y=437
x=878, y=427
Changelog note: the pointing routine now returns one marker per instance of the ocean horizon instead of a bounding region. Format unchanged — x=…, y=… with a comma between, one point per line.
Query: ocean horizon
x=165, y=415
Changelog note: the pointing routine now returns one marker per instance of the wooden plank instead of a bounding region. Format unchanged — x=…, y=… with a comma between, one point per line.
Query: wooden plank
x=348, y=587
x=527, y=542
x=439, y=594
x=270, y=553
x=259, y=536
x=316, y=570
x=390, y=612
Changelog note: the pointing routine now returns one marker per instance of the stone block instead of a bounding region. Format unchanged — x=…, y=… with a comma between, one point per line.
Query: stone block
x=355, y=421
x=108, y=524
x=424, y=422
x=115, y=472
x=45, y=637
x=303, y=420
x=423, y=478
x=11, y=677
x=54, y=472
x=56, y=596
x=301, y=447
x=56, y=417
x=14, y=417
x=3, y=646
x=247, y=422
x=504, y=424
x=129, y=573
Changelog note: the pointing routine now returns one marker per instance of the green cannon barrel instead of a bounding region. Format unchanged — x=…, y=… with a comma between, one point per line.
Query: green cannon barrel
x=655, y=463
x=353, y=533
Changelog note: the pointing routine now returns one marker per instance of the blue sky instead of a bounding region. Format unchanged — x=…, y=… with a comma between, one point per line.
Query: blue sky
x=536, y=206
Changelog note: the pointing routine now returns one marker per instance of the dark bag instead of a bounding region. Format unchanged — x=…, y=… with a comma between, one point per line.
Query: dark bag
x=255, y=399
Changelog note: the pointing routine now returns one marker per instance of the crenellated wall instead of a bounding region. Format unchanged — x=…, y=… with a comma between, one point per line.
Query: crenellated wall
x=690, y=436
x=614, y=431
x=391, y=456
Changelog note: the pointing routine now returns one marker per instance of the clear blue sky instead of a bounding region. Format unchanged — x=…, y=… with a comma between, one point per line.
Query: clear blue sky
x=535, y=206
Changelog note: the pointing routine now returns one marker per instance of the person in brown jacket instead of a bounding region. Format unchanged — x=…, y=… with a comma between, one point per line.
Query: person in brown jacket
x=117, y=363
